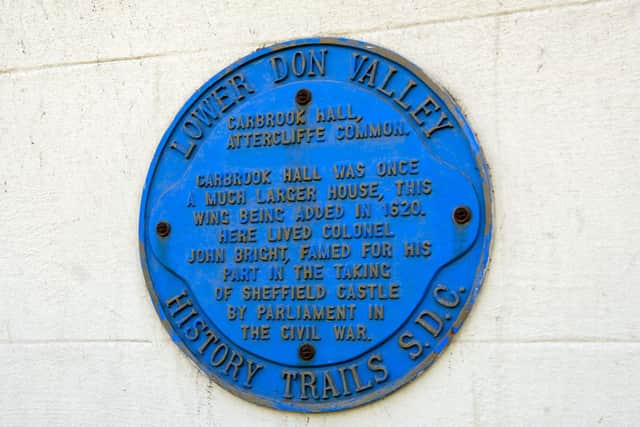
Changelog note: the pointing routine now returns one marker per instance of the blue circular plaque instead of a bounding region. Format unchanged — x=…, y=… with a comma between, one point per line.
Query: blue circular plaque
x=315, y=224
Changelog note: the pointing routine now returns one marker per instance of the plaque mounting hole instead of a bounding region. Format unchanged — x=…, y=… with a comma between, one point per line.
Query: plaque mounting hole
x=163, y=228
x=306, y=351
x=303, y=97
x=462, y=215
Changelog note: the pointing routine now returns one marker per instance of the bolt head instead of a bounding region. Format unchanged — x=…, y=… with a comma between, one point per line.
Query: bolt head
x=163, y=228
x=303, y=97
x=462, y=215
x=306, y=351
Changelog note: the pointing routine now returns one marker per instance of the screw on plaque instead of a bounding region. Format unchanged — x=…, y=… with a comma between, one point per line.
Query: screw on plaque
x=462, y=215
x=163, y=228
x=306, y=351
x=303, y=97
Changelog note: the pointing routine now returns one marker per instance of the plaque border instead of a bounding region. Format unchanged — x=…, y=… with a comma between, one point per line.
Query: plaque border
x=486, y=234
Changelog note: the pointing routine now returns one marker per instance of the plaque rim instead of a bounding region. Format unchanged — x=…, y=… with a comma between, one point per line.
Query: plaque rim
x=486, y=234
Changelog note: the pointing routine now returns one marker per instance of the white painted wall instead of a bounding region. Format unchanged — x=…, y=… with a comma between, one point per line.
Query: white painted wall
x=552, y=89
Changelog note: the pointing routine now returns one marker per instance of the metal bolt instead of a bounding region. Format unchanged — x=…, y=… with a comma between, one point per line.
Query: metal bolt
x=306, y=351
x=303, y=97
x=163, y=228
x=462, y=215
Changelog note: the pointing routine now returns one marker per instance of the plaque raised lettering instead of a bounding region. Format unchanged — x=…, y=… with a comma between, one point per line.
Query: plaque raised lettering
x=315, y=224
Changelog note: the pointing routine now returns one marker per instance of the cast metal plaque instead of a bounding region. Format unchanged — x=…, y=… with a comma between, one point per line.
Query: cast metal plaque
x=315, y=224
